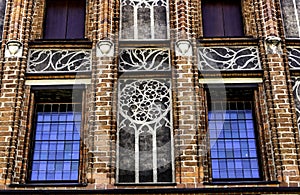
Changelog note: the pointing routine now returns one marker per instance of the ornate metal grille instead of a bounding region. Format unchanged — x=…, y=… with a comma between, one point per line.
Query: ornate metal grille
x=144, y=19
x=144, y=131
x=49, y=61
x=228, y=58
x=296, y=91
x=294, y=57
x=144, y=60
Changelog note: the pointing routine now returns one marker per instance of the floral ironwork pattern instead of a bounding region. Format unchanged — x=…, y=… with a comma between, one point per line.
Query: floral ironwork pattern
x=228, y=58
x=294, y=57
x=49, y=61
x=144, y=60
x=144, y=19
x=296, y=91
x=144, y=131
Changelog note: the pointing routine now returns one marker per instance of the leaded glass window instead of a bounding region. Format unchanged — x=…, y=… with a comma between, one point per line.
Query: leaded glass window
x=144, y=19
x=56, y=142
x=233, y=145
x=290, y=13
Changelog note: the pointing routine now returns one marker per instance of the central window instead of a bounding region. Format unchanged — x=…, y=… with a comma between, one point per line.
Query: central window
x=144, y=19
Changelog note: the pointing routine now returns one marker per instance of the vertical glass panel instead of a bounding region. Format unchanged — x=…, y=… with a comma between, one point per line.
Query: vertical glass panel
x=127, y=20
x=290, y=12
x=160, y=22
x=144, y=23
x=145, y=19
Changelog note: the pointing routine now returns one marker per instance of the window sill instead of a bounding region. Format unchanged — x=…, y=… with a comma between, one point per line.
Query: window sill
x=48, y=185
x=240, y=182
x=243, y=40
x=145, y=184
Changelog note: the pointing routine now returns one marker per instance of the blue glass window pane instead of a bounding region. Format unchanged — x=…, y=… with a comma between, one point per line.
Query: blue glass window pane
x=47, y=117
x=42, y=175
x=216, y=174
x=231, y=173
x=255, y=173
x=46, y=126
x=52, y=155
x=74, y=175
x=34, y=175
x=247, y=173
x=233, y=154
x=55, y=117
x=56, y=132
x=241, y=115
x=221, y=153
x=62, y=117
x=248, y=114
x=58, y=175
x=40, y=117
x=69, y=127
x=50, y=175
x=59, y=166
x=70, y=116
x=214, y=153
x=215, y=164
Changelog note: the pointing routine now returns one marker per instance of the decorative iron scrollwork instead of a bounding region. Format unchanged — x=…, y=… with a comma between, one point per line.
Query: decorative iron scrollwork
x=144, y=60
x=228, y=58
x=296, y=92
x=294, y=57
x=62, y=60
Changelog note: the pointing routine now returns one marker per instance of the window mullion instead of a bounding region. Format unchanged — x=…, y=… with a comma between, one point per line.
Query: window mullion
x=135, y=19
x=296, y=17
x=137, y=156
x=154, y=151
x=152, y=22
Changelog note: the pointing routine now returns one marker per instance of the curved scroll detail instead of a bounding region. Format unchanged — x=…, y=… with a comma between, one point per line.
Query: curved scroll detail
x=296, y=92
x=144, y=60
x=228, y=58
x=49, y=61
x=294, y=57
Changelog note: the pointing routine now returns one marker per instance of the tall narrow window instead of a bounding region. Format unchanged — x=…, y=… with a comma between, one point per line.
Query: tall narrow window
x=233, y=145
x=144, y=19
x=144, y=133
x=65, y=19
x=56, y=141
x=2, y=13
x=291, y=17
x=222, y=18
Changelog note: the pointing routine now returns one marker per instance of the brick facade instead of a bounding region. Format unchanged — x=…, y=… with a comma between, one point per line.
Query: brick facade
x=274, y=102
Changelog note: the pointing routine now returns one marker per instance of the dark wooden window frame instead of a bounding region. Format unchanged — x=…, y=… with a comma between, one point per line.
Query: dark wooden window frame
x=267, y=171
x=222, y=18
x=81, y=172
